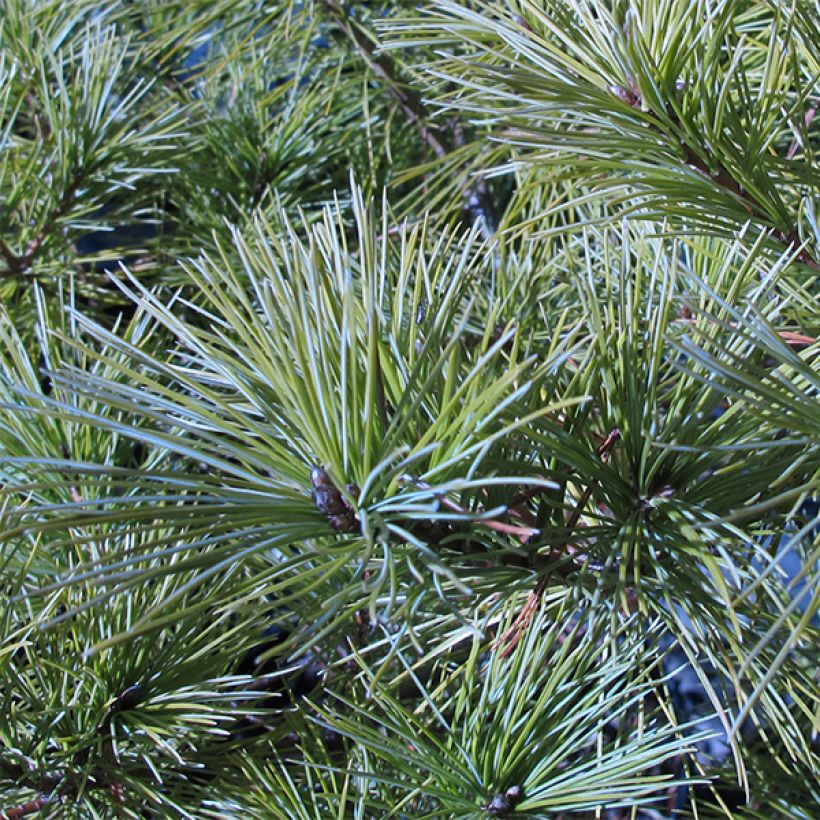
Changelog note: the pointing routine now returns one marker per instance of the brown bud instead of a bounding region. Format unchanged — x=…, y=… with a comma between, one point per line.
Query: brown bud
x=520, y=21
x=631, y=96
x=327, y=497
x=129, y=698
x=498, y=806
x=319, y=478
x=515, y=794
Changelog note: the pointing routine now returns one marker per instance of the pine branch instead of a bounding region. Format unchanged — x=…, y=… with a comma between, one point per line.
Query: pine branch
x=175, y=528
x=479, y=203
x=524, y=533
x=25, y=776
x=17, y=264
x=513, y=635
x=722, y=176
x=384, y=68
x=46, y=785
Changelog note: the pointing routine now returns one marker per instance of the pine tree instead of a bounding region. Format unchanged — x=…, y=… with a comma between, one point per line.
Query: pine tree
x=409, y=411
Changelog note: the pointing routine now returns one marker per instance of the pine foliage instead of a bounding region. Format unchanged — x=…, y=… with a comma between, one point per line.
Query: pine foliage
x=409, y=411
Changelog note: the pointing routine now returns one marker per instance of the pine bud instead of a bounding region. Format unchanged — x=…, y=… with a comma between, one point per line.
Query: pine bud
x=515, y=794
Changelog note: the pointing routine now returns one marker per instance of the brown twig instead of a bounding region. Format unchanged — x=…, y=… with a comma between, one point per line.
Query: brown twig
x=513, y=635
x=525, y=495
x=477, y=200
x=31, y=807
x=26, y=776
x=383, y=67
x=723, y=177
x=20, y=263
x=53, y=785
x=524, y=533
